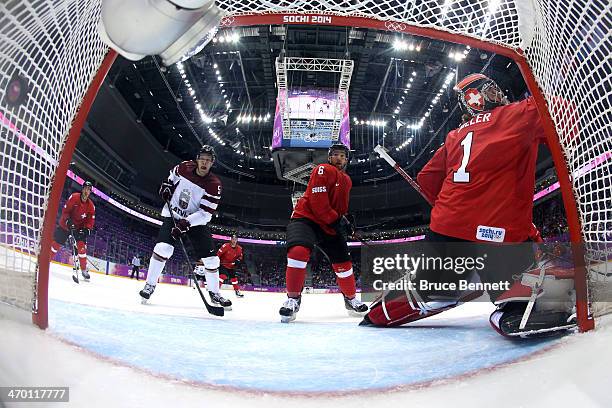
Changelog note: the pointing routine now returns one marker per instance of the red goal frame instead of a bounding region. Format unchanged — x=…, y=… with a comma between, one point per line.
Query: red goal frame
x=585, y=321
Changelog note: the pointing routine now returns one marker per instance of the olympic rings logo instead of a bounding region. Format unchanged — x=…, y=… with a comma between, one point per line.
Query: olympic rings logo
x=226, y=21
x=394, y=26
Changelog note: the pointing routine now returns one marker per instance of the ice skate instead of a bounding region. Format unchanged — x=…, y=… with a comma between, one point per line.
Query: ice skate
x=147, y=292
x=290, y=309
x=85, y=274
x=239, y=294
x=216, y=298
x=355, y=307
x=75, y=275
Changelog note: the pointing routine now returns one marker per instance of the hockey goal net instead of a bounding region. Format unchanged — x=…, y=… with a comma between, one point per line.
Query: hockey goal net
x=51, y=50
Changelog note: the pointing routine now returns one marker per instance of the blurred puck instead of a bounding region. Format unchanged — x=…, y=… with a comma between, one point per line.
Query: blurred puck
x=16, y=91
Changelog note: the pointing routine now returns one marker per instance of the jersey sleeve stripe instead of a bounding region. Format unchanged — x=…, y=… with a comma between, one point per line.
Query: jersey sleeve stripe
x=207, y=209
x=213, y=197
x=208, y=204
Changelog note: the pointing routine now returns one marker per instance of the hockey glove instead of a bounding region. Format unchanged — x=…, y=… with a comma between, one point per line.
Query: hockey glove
x=82, y=234
x=181, y=227
x=166, y=190
x=342, y=226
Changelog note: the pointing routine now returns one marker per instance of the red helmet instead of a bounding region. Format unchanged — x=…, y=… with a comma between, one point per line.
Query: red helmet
x=478, y=93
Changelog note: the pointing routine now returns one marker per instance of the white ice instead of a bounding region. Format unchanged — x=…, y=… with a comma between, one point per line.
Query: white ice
x=113, y=331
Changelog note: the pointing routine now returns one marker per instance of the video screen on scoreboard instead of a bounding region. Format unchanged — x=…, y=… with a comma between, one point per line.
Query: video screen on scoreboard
x=311, y=114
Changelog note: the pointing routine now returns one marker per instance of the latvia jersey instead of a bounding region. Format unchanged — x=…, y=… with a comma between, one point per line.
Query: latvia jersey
x=229, y=255
x=195, y=197
x=482, y=179
x=326, y=198
x=82, y=214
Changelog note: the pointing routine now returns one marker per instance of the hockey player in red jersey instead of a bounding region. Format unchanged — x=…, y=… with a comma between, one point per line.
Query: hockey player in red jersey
x=481, y=184
x=194, y=194
x=319, y=218
x=230, y=255
x=78, y=218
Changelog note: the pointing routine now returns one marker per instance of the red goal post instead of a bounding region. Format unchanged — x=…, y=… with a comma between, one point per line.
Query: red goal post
x=560, y=46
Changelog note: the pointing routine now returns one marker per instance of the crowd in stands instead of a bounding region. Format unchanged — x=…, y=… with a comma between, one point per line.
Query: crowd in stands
x=550, y=219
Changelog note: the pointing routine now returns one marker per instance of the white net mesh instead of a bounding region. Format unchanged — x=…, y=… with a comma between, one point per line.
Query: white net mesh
x=52, y=49
x=570, y=58
x=54, y=45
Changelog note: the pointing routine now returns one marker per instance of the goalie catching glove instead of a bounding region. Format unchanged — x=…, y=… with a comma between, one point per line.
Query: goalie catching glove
x=181, y=227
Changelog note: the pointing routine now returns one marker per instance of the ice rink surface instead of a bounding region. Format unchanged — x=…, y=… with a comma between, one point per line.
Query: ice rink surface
x=113, y=351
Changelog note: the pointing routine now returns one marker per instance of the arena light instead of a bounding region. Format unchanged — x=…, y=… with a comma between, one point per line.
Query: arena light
x=400, y=45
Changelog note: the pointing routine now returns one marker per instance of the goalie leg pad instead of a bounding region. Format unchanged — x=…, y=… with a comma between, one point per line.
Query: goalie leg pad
x=398, y=308
x=506, y=320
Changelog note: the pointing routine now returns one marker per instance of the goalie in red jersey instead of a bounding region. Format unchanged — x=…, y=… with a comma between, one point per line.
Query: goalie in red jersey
x=481, y=183
x=319, y=219
x=77, y=219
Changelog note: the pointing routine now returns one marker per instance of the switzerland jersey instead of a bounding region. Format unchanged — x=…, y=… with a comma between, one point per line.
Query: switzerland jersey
x=229, y=255
x=195, y=198
x=82, y=214
x=482, y=179
x=326, y=198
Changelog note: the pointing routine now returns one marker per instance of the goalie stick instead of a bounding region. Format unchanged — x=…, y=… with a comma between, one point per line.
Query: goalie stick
x=383, y=153
x=213, y=310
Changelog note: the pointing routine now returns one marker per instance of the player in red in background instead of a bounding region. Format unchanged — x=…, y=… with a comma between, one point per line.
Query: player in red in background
x=78, y=217
x=319, y=218
x=230, y=255
x=481, y=184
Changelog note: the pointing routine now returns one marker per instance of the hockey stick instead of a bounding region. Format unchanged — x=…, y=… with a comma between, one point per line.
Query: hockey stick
x=75, y=268
x=96, y=267
x=213, y=310
x=362, y=240
x=382, y=153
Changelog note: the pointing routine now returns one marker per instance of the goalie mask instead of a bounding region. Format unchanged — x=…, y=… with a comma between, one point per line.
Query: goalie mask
x=478, y=93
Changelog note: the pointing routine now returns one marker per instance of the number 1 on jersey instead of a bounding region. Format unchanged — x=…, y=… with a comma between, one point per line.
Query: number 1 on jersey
x=462, y=176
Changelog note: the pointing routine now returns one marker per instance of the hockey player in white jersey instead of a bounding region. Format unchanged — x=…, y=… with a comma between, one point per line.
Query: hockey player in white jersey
x=193, y=193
